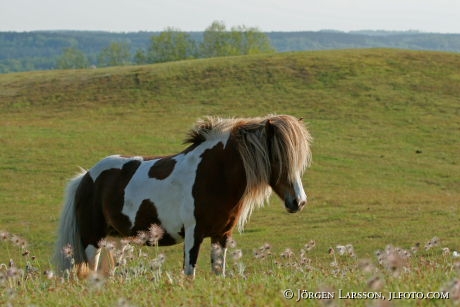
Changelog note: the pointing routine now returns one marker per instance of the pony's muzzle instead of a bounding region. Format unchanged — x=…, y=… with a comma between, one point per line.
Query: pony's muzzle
x=295, y=205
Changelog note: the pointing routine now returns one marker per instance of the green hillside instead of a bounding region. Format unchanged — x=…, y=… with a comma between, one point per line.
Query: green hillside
x=386, y=128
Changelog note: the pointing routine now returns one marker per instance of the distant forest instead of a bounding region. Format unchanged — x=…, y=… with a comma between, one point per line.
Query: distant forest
x=44, y=50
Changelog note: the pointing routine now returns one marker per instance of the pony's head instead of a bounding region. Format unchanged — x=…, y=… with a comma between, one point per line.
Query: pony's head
x=288, y=144
x=275, y=151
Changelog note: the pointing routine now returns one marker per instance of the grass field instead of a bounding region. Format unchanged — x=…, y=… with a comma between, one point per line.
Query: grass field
x=386, y=171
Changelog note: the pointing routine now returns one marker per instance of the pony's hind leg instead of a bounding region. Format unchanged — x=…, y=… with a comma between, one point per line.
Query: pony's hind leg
x=85, y=268
x=92, y=255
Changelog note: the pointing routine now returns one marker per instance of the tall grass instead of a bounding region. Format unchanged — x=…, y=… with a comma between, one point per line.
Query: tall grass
x=263, y=275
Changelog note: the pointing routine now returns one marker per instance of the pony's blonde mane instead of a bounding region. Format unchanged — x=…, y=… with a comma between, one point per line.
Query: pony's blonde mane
x=281, y=137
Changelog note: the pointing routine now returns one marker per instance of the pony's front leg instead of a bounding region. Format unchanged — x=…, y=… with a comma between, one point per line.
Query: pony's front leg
x=192, y=244
x=218, y=255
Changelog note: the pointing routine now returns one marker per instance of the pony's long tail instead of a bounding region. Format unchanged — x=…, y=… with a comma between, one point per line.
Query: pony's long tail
x=69, y=249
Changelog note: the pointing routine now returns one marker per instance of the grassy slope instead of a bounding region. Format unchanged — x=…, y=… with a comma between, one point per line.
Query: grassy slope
x=369, y=111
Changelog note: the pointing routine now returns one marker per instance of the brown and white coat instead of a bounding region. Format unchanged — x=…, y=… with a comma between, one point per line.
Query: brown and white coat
x=230, y=167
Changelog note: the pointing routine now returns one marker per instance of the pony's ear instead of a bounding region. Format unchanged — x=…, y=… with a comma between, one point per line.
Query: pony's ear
x=269, y=128
x=300, y=119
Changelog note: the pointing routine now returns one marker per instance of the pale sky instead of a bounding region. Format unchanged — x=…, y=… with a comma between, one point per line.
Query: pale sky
x=195, y=15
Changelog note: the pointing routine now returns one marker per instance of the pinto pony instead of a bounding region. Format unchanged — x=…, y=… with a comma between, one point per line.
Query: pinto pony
x=229, y=168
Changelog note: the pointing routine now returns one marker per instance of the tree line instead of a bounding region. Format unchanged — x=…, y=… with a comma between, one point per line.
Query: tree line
x=44, y=50
x=174, y=45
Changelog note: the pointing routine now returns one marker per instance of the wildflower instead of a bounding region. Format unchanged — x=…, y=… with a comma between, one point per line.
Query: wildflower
x=405, y=254
x=141, y=254
x=126, y=248
x=455, y=254
x=14, y=272
x=457, y=266
x=155, y=233
x=124, y=242
x=302, y=253
x=366, y=266
x=241, y=269
x=445, y=251
x=375, y=283
x=120, y=260
x=49, y=274
x=350, y=250
x=157, y=262
x=266, y=249
x=67, y=251
x=15, y=239
x=217, y=265
x=258, y=254
x=380, y=256
x=263, y=251
x=217, y=250
x=414, y=249
x=109, y=245
x=305, y=261
x=4, y=235
x=288, y=253
x=393, y=259
x=341, y=249
x=11, y=271
x=161, y=258
x=231, y=243
x=141, y=238
x=237, y=254
x=435, y=241
x=102, y=243
x=96, y=281
x=18, y=241
x=310, y=245
x=30, y=269
x=345, y=250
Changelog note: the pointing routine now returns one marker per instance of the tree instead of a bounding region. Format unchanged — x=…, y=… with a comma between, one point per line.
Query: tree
x=250, y=40
x=217, y=41
x=72, y=58
x=116, y=54
x=171, y=45
x=140, y=57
